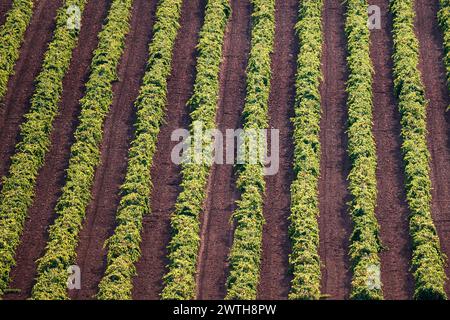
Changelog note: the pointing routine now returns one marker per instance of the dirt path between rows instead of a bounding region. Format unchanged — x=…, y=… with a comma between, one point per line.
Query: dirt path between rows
x=275, y=274
x=4, y=8
x=165, y=174
x=51, y=176
x=21, y=84
x=433, y=75
x=217, y=230
x=118, y=131
x=334, y=222
x=392, y=209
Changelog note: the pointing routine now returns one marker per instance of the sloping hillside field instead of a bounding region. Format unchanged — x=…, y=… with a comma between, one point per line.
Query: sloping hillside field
x=224, y=149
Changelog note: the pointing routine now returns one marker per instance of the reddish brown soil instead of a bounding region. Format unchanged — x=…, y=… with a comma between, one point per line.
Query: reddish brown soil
x=100, y=214
x=433, y=75
x=275, y=275
x=5, y=5
x=21, y=85
x=392, y=208
x=51, y=176
x=334, y=222
x=217, y=230
x=165, y=174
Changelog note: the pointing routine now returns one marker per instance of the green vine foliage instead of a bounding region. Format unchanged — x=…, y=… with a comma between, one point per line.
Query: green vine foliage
x=124, y=244
x=245, y=255
x=184, y=247
x=444, y=21
x=304, y=229
x=364, y=242
x=428, y=261
x=12, y=33
x=18, y=187
x=60, y=252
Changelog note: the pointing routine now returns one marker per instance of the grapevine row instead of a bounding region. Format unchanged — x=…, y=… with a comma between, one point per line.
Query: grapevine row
x=12, y=33
x=123, y=245
x=184, y=246
x=444, y=20
x=427, y=259
x=364, y=241
x=18, y=187
x=304, y=229
x=60, y=251
x=245, y=255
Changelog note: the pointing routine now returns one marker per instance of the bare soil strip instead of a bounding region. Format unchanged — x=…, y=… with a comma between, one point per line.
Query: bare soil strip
x=275, y=275
x=4, y=8
x=392, y=209
x=334, y=222
x=118, y=132
x=21, y=84
x=165, y=174
x=217, y=230
x=433, y=75
x=51, y=177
